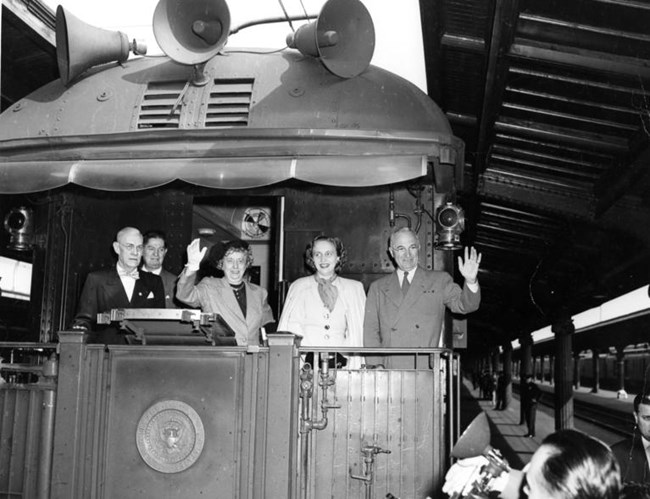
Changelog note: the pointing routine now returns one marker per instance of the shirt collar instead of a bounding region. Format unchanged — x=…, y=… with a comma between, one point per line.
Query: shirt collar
x=400, y=274
x=156, y=271
x=123, y=273
x=646, y=443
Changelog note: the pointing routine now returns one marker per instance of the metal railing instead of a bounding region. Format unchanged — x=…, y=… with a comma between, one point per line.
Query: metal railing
x=28, y=383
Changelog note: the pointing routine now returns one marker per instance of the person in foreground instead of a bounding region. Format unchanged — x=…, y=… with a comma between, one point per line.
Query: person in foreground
x=241, y=304
x=406, y=308
x=632, y=453
x=324, y=308
x=568, y=465
x=120, y=286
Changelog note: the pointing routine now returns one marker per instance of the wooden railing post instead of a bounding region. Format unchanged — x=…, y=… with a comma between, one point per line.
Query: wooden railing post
x=282, y=421
x=67, y=460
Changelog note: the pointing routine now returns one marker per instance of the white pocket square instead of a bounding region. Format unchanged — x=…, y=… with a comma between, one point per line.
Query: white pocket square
x=150, y=295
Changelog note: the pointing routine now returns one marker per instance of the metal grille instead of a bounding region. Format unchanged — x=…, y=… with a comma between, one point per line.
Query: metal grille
x=20, y=416
x=229, y=103
x=27, y=395
x=160, y=106
x=402, y=412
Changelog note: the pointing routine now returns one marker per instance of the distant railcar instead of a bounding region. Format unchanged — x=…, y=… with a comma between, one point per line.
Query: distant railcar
x=636, y=365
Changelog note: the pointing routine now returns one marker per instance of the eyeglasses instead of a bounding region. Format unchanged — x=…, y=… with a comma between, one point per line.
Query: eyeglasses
x=401, y=250
x=156, y=251
x=132, y=247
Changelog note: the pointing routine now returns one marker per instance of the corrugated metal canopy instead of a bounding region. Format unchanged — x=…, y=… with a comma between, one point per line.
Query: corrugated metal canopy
x=551, y=98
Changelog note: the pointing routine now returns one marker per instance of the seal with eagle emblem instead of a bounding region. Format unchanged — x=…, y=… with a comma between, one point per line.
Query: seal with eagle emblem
x=170, y=436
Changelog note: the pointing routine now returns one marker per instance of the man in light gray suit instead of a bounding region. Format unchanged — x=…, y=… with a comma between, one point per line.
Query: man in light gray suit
x=153, y=256
x=406, y=308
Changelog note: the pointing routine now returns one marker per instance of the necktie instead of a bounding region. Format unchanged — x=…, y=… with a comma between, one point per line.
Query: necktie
x=405, y=283
x=130, y=273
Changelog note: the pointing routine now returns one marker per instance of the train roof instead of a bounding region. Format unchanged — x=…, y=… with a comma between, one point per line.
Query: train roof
x=141, y=124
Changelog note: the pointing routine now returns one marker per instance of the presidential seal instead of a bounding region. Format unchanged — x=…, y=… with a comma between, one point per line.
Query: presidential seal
x=170, y=436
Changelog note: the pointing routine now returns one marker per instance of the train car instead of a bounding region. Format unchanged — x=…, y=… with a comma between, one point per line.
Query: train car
x=635, y=370
x=218, y=145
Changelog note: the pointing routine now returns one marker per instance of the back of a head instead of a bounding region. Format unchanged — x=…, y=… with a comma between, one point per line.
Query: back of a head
x=581, y=467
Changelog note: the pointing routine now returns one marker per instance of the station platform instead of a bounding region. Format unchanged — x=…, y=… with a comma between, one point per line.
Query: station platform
x=508, y=435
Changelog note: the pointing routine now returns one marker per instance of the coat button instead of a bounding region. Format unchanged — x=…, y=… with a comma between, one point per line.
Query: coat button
x=327, y=326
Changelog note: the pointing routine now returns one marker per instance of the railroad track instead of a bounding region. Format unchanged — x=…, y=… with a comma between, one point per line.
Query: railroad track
x=616, y=421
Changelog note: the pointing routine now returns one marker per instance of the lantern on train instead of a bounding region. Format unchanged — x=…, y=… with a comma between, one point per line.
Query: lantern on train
x=450, y=224
x=19, y=223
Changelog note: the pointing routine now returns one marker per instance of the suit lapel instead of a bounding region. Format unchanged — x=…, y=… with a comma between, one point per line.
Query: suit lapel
x=253, y=311
x=140, y=292
x=415, y=291
x=115, y=290
x=231, y=303
x=392, y=290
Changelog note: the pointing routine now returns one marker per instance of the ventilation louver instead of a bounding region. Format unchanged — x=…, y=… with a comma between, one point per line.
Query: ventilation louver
x=229, y=103
x=160, y=107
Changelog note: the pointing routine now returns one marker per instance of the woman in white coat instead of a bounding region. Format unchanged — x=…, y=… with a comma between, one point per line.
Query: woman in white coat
x=325, y=308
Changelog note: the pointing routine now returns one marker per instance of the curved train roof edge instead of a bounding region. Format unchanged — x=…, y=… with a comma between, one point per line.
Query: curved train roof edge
x=255, y=109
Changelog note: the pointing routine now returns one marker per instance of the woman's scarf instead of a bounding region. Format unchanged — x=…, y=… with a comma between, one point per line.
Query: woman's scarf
x=327, y=291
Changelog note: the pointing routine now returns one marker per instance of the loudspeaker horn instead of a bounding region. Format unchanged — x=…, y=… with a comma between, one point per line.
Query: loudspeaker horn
x=80, y=46
x=475, y=440
x=343, y=37
x=191, y=32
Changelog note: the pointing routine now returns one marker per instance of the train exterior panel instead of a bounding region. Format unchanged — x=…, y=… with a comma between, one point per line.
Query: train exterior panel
x=162, y=421
x=635, y=366
x=633, y=360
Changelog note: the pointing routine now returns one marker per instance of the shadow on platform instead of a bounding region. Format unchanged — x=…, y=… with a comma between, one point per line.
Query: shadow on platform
x=506, y=434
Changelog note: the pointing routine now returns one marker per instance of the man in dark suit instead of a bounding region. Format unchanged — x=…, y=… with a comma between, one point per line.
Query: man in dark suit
x=153, y=256
x=530, y=396
x=406, y=308
x=632, y=453
x=121, y=286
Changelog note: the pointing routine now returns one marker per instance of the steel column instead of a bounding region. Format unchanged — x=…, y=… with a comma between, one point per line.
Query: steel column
x=563, y=331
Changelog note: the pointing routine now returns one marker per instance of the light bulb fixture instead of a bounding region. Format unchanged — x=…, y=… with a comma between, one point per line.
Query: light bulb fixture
x=451, y=223
x=19, y=222
x=206, y=231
